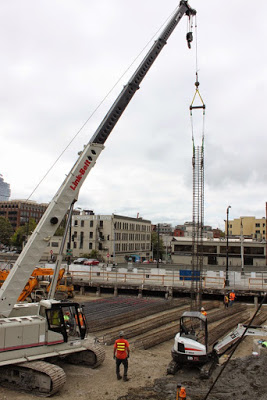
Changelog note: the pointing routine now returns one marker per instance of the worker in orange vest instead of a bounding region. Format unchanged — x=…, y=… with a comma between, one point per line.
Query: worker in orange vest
x=232, y=298
x=181, y=393
x=203, y=311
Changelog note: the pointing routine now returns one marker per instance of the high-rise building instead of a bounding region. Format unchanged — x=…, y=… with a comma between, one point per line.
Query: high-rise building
x=4, y=189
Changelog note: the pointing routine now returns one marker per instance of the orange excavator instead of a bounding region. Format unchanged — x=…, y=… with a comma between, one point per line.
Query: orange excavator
x=37, y=289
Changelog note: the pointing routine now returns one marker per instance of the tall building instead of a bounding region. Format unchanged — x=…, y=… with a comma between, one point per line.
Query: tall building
x=4, y=189
x=18, y=212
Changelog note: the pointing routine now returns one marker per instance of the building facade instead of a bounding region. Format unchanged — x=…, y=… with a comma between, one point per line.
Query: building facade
x=115, y=237
x=254, y=228
x=214, y=252
x=4, y=189
x=18, y=212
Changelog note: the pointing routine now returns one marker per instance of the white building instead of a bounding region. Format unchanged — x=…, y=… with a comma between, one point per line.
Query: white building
x=115, y=237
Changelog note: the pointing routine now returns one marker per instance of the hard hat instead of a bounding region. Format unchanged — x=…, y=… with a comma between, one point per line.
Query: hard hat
x=202, y=309
x=121, y=333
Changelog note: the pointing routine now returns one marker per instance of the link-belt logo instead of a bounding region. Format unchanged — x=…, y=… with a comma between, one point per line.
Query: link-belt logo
x=80, y=175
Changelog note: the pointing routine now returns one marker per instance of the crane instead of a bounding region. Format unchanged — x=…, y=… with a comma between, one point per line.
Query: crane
x=30, y=333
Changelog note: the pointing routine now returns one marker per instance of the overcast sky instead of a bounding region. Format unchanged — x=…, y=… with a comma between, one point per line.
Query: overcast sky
x=59, y=59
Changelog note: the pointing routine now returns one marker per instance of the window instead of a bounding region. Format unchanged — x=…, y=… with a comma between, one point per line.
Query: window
x=258, y=225
x=91, y=224
x=54, y=244
x=91, y=235
x=82, y=224
x=90, y=246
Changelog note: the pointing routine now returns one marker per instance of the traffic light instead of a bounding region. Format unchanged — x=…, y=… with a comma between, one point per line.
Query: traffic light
x=69, y=252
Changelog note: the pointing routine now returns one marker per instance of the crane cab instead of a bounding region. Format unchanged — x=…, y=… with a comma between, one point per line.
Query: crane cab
x=66, y=318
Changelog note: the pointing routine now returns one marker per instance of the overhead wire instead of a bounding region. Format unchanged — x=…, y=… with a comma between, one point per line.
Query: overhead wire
x=236, y=346
x=99, y=105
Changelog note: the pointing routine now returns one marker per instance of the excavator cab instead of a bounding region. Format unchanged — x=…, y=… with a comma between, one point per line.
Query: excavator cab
x=68, y=319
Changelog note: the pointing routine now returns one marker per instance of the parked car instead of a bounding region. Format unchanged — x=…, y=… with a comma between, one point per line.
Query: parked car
x=80, y=261
x=91, y=261
x=145, y=262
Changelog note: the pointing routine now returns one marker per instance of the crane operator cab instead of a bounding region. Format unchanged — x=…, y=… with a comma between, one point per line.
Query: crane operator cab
x=66, y=318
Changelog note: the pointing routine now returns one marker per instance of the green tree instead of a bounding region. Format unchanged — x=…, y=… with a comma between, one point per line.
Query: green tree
x=22, y=233
x=157, y=244
x=6, y=231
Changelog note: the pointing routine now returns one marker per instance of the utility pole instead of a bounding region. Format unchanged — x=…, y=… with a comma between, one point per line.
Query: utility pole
x=227, y=248
x=158, y=249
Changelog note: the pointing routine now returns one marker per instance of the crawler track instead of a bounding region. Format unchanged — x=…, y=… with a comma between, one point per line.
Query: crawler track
x=38, y=377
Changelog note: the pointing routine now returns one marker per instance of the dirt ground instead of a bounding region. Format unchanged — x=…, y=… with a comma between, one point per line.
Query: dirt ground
x=244, y=378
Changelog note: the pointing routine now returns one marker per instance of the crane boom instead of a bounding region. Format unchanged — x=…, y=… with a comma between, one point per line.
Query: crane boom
x=69, y=190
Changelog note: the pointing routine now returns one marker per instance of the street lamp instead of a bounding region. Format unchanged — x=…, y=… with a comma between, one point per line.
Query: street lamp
x=227, y=234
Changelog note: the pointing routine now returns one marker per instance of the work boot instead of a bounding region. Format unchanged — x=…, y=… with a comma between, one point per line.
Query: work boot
x=125, y=378
x=118, y=377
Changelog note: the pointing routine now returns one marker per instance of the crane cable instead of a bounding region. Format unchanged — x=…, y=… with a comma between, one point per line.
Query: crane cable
x=236, y=345
x=100, y=104
x=197, y=93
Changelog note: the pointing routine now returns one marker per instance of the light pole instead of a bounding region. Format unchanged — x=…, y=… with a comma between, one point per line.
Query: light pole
x=227, y=249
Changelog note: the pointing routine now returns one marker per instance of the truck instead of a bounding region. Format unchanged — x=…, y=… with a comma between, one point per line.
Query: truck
x=33, y=335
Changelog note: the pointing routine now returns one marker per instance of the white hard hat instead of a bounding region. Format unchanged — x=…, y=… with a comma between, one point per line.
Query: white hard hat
x=202, y=309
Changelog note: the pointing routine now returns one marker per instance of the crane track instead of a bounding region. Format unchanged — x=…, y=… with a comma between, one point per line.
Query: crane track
x=37, y=377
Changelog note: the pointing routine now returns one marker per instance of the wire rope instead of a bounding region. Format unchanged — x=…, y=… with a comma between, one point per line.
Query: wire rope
x=99, y=105
x=236, y=346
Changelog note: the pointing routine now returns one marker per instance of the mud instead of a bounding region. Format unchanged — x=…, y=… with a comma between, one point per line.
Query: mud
x=242, y=379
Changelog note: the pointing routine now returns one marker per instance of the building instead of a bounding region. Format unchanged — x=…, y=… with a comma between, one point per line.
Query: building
x=206, y=232
x=163, y=229
x=115, y=237
x=18, y=212
x=214, y=252
x=252, y=227
x=4, y=189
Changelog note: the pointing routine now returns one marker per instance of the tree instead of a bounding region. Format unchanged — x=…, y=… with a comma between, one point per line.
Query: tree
x=157, y=245
x=6, y=231
x=22, y=233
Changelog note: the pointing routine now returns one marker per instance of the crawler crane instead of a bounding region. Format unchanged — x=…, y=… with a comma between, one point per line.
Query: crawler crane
x=31, y=333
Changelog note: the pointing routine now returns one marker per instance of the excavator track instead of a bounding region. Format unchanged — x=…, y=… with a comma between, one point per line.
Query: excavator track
x=92, y=357
x=38, y=377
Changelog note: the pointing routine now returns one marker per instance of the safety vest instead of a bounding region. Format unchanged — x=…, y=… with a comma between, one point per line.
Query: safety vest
x=232, y=296
x=226, y=300
x=204, y=313
x=121, y=345
x=181, y=394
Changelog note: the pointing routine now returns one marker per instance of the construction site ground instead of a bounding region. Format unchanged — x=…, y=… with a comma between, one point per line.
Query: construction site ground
x=244, y=377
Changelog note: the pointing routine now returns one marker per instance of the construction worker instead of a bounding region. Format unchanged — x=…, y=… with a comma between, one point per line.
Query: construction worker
x=181, y=393
x=203, y=312
x=232, y=298
x=121, y=355
x=226, y=300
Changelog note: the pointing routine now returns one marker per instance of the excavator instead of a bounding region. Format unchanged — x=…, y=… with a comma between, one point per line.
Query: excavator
x=36, y=289
x=191, y=344
x=33, y=335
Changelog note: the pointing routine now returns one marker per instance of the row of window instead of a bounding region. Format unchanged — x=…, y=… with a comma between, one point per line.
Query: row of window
x=118, y=225
x=221, y=249
x=118, y=236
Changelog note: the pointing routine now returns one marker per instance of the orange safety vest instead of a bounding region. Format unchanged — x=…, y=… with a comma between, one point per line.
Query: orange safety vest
x=204, y=313
x=181, y=394
x=121, y=345
x=232, y=296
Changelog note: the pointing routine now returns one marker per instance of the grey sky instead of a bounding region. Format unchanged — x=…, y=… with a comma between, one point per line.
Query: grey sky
x=60, y=59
